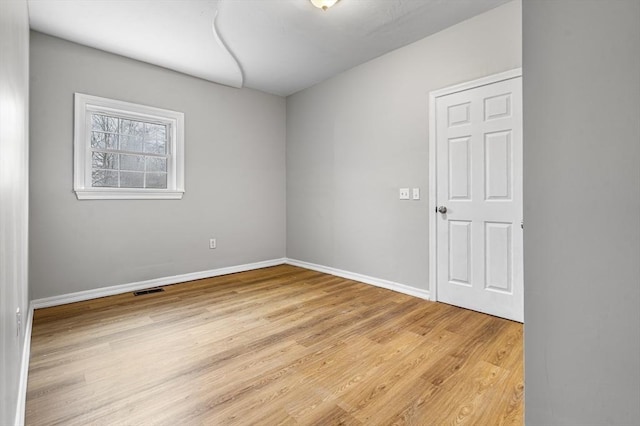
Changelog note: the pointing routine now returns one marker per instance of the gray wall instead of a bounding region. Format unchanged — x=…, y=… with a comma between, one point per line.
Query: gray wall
x=14, y=190
x=582, y=212
x=234, y=179
x=354, y=140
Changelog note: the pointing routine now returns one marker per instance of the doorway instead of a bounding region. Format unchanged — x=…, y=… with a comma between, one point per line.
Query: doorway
x=475, y=147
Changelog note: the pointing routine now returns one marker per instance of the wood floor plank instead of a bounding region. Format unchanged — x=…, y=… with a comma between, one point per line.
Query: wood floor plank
x=281, y=345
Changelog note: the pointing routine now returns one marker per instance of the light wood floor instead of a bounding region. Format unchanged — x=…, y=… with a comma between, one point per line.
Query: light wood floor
x=281, y=345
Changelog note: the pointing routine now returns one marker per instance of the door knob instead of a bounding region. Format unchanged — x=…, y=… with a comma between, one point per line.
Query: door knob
x=442, y=209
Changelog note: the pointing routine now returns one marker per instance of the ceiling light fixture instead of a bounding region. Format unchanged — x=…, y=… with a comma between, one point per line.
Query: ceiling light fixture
x=323, y=4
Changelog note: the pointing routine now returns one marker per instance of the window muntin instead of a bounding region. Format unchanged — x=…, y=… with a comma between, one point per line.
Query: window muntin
x=125, y=150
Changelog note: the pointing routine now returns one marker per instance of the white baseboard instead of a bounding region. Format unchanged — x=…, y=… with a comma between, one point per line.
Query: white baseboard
x=175, y=279
x=24, y=370
x=378, y=282
x=141, y=285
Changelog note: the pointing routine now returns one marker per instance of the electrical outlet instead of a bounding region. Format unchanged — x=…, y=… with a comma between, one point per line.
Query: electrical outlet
x=416, y=193
x=212, y=243
x=404, y=193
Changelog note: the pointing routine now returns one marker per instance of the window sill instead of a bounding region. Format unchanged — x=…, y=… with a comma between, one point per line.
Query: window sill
x=119, y=194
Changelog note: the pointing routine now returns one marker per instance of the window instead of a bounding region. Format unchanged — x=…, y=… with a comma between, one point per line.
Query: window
x=127, y=151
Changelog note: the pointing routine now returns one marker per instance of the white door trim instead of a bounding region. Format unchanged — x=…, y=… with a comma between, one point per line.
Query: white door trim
x=433, y=96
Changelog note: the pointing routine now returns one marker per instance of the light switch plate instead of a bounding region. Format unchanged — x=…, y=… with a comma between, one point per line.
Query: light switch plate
x=404, y=193
x=416, y=193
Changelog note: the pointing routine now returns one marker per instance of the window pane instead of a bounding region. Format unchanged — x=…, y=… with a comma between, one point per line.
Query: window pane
x=131, y=180
x=104, y=140
x=131, y=127
x=132, y=162
x=155, y=131
x=155, y=147
x=112, y=141
x=102, y=160
x=104, y=123
x=155, y=138
x=156, y=180
x=104, y=178
x=98, y=140
x=131, y=143
x=156, y=164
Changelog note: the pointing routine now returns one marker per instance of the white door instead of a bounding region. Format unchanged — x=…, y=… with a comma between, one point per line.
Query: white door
x=479, y=197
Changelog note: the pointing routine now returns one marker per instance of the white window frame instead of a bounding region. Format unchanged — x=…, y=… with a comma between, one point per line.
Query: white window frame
x=85, y=105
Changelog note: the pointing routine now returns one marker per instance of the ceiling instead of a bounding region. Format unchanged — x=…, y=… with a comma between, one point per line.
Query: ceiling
x=277, y=46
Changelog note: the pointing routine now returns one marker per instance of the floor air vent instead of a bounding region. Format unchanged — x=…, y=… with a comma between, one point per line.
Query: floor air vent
x=148, y=291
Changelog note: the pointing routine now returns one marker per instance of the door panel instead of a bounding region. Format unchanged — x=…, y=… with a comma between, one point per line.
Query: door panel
x=479, y=181
x=459, y=169
x=459, y=114
x=498, y=257
x=460, y=252
x=498, y=179
x=497, y=106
